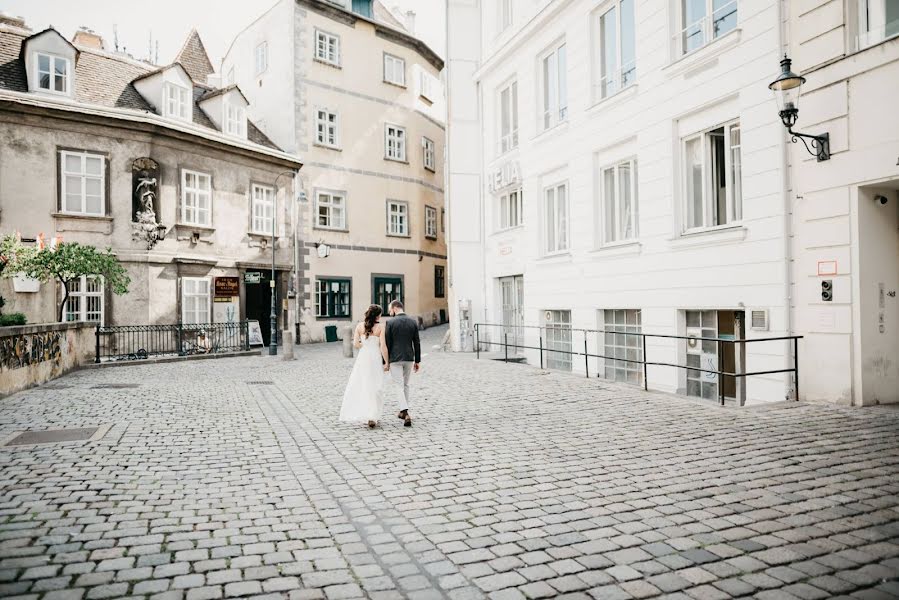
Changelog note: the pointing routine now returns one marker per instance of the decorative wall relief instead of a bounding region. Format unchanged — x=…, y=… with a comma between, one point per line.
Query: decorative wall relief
x=145, y=202
x=18, y=351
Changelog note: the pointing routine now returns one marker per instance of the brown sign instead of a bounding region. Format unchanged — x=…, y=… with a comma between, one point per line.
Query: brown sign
x=227, y=287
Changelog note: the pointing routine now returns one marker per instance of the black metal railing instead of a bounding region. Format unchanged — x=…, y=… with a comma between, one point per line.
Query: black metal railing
x=517, y=335
x=137, y=342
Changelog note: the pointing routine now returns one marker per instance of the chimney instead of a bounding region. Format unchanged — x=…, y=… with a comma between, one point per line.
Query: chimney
x=410, y=21
x=12, y=21
x=88, y=38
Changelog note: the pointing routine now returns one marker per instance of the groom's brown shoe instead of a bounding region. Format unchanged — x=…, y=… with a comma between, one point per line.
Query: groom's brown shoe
x=407, y=420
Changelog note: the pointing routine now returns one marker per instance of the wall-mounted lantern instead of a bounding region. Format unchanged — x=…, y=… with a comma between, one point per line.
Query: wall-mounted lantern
x=786, y=90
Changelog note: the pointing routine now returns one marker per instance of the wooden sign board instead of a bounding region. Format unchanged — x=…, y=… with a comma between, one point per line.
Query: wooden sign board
x=227, y=287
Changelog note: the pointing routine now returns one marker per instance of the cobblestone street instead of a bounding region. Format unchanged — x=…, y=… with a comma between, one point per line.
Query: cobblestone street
x=233, y=478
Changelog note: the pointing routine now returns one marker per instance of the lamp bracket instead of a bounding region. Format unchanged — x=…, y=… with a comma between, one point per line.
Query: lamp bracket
x=820, y=143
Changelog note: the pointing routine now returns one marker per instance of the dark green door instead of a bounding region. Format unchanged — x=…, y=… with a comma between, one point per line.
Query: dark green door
x=386, y=290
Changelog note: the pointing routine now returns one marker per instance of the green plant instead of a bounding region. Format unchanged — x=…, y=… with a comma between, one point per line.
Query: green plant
x=12, y=319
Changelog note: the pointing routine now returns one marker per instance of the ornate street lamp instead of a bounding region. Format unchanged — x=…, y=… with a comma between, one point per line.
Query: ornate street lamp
x=786, y=90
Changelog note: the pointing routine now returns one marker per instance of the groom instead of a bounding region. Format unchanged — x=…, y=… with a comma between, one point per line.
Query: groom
x=402, y=347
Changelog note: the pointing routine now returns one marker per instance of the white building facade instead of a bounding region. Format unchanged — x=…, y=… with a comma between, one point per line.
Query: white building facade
x=620, y=165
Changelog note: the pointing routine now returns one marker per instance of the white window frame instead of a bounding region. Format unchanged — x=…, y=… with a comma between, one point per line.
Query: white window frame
x=556, y=219
x=260, y=55
x=733, y=201
x=235, y=120
x=262, y=209
x=400, y=209
x=616, y=233
x=66, y=78
x=559, y=342
x=81, y=296
x=426, y=85
x=508, y=114
x=620, y=342
x=430, y=222
x=84, y=177
x=327, y=128
x=327, y=47
x=177, y=102
x=511, y=209
x=871, y=23
x=703, y=27
x=203, y=307
x=336, y=205
x=553, y=75
x=394, y=142
x=195, y=199
x=429, y=156
x=622, y=76
x=394, y=70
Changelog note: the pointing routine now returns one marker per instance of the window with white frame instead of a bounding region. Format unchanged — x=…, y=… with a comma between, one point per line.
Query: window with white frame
x=53, y=73
x=261, y=57
x=395, y=142
x=394, y=70
x=397, y=218
x=262, y=209
x=557, y=324
x=619, y=202
x=621, y=347
x=195, y=300
x=703, y=21
x=429, y=158
x=177, y=102
x=427, y=86
x=82, y=183
x=505, y=14
x=85, y=301
x=712, y=178
x=235, y=120
x=332, y=298
x=196, y=198
x=511, y=211
x=553, y=79
x=508, y=117
x=327, y=47
x=555, y=219
x=878, y=20
x=327, y=128
x=617, y=48
x=431, y=222
x=331, y=210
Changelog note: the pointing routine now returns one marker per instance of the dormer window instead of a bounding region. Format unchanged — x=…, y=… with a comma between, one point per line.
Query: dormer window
x=53, y=73
x=177, y=102
x=235, y=120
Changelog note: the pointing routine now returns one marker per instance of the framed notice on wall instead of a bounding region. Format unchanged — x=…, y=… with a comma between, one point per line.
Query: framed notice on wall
x=255, y=334
x=227, y=287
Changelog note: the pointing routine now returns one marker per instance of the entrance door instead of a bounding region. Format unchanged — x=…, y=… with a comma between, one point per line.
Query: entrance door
x=703, y=354
x=558, y=339
x=512, y=298
x=386, y=290
x=258, y=294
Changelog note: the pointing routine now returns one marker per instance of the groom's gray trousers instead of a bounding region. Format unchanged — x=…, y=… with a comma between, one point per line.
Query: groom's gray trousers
x=400, y=373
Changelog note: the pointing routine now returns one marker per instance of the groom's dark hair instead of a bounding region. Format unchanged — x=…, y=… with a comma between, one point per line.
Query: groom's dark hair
x=397, y=304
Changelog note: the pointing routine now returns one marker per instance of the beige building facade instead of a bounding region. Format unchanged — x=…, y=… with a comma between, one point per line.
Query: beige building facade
x=359, y=98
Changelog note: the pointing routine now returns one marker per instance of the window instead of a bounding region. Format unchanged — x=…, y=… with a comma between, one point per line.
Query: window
x=508, y=118
x=554, y=81
x=85, y=302
x=429, y=159
x=439, y=281
x=443, y=220
x=397, y=218
x=177, y=102
x=505, y=14
x=427, y=86
x=431, y=222
x=261, y=57
x=510, y=209
x=878, y=20
x=395, y=143
x=196, y=198
x=617, y=53
x=619, y=202
x=702, y=354
x=331, y=210
x=702, y=21
x=556, y=219
x=385, y=290
x=558, y=339
x=82, y=183
x=235, y=120
x=332, y=298
x=326, y=128
x=394, y=70
x=263, y=209
x=195, y=300
x=52, y=73
x=327, y=47
x=713, y=188
x=619, y=342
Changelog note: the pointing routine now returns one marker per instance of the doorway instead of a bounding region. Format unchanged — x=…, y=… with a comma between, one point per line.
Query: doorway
x=703, y=354
x=512, y=299
x=258, y=293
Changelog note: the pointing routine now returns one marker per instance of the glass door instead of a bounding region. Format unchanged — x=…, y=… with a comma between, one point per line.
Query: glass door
x=512, y=297
x=558, y=339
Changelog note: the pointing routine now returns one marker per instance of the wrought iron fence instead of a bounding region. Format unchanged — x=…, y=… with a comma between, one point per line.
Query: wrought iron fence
x=138, y=342
x=558, y=353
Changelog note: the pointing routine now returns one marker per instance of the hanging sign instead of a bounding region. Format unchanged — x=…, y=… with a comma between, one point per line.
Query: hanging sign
x=252, y=277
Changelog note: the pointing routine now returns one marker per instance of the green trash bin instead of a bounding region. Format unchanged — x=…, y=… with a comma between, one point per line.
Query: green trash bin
x=330, y=333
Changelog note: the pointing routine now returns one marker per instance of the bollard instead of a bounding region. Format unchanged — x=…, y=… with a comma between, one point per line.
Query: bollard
x=348, y=342
x=287, y=345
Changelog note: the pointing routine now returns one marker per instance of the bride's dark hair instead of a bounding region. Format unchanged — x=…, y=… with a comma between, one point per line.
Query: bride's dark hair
x=371, y=317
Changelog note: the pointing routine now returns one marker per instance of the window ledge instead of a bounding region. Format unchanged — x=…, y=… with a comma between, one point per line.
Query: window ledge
x=556, y=257
x=396, y=160
x=260, y=234
x=327, y=63
x=394, y=84
x=617, y=98
x=618, y=249
x=512, y=229
x=430, y=169
x=192, y=227
x=333, y=318
x=710, y=237
x=549, y=131
x=399, y=235
x=80, y=216
x=701, y=56
x=331, y=229
x=327, y=147
x=431, y=237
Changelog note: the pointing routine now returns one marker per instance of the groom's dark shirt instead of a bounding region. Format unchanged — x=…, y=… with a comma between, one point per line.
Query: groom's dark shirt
x=402, y=340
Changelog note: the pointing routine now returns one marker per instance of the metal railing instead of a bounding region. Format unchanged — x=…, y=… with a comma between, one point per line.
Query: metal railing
x=138, y=342
x=516, y=333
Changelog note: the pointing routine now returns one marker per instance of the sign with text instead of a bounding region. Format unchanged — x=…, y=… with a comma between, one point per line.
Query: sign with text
x=507, y=175
x=252, y=277
x=227, y=287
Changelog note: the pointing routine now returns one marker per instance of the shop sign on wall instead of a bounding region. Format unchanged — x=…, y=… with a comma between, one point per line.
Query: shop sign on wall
x=507, y=175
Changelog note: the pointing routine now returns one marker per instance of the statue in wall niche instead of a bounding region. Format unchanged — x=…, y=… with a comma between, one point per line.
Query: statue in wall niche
x=145, y=203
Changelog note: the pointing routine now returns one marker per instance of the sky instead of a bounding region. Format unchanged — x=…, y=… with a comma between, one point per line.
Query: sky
x=169, y=21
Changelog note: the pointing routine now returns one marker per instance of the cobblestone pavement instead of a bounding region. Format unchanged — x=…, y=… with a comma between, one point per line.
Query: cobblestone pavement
x=233, y=478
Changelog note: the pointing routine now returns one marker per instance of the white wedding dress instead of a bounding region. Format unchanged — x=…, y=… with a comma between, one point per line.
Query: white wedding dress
x=362, y=398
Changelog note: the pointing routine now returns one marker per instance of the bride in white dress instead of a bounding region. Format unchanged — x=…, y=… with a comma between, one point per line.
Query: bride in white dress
x=362, y=398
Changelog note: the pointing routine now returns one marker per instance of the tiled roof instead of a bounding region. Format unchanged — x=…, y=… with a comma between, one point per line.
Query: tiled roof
x=194, y=59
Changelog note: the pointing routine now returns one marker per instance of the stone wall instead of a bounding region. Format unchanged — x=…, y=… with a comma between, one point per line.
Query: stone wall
x=34, y=354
